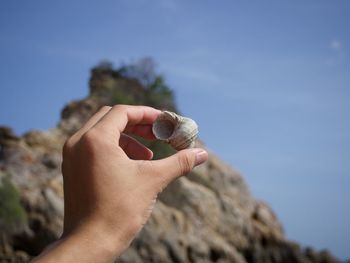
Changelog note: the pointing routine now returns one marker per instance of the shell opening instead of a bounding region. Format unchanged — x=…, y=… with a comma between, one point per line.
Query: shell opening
x=163, y=129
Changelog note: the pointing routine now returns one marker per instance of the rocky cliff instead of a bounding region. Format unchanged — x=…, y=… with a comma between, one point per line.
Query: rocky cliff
x=207, y=216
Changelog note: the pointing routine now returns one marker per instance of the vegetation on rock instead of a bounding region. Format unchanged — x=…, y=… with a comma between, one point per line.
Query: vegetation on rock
x=12, y=215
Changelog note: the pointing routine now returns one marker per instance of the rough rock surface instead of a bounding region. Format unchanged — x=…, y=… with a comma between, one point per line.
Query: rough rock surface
x=207, y=216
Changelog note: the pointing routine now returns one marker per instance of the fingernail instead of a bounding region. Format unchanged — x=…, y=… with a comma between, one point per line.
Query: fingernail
x=201, y=156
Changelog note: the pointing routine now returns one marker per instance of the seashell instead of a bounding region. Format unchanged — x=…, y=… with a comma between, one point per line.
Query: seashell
x=180, y=132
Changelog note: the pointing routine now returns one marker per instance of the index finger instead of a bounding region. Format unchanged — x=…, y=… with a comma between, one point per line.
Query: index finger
x=121, y=116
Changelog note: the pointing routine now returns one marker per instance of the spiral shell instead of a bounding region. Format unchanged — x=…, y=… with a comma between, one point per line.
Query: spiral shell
x=180, y=132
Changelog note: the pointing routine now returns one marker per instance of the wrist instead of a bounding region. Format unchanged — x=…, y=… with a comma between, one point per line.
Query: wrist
x=99, y=237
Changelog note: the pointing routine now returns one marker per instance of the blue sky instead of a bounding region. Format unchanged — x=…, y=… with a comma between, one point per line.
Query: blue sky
x=267, y=81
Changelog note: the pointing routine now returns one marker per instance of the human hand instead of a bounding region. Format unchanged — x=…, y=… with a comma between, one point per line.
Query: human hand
x=111, y=185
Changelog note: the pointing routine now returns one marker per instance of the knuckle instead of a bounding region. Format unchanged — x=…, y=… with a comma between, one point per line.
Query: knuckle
x=185, y=163
x=105, y=108
x=120, y=107
x=91, y=138
x=68, y=145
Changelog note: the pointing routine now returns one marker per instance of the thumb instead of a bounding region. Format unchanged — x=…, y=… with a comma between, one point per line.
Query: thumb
x=178, y=164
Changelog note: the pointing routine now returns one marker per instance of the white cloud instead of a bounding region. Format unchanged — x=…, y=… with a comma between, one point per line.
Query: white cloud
x=338, y=55
x=336, y=45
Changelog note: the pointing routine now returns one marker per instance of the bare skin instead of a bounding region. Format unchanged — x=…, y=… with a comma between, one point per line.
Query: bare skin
x=111, y=184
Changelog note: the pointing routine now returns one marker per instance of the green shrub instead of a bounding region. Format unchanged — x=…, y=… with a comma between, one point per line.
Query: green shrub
x=159, y=95
x=155, y=92
x=120, y=97
x=12, y=215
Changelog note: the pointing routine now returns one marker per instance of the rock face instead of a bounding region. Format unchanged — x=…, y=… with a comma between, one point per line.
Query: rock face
x=207, y=216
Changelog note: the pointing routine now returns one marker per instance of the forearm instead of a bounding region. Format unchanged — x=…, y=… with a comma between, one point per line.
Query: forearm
x=89, y=246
